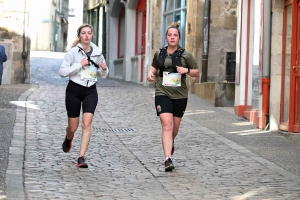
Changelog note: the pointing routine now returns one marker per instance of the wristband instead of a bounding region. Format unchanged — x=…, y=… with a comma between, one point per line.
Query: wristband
x=188, y=71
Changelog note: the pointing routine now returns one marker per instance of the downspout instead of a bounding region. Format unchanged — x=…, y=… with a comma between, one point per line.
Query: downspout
x=147, y=42
x=24, y=53
x=266, y=63
x=203, y=76
x=107, y=7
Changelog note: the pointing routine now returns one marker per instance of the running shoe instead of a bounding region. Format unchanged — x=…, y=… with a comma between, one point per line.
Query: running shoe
x=81, y=162
x=67, y=144
x=169, y=165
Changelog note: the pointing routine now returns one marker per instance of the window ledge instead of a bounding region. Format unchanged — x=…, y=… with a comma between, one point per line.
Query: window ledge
x=118, y=61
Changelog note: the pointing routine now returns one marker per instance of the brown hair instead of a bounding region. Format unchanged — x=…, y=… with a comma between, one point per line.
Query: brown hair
x=77, y=40
x=173, y=25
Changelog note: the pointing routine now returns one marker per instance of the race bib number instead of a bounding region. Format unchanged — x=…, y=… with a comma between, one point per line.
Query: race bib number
x=88, y=73
x=171, y=79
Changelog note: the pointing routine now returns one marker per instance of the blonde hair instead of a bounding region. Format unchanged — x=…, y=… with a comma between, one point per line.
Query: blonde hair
x=77, y=40
x=173, y=25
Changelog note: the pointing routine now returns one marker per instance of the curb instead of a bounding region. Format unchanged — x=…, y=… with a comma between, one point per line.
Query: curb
x=14, y=174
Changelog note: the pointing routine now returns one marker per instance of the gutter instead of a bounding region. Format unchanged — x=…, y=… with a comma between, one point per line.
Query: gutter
x=203, y=76
x=24, y=52
x=266, y=64
x=147, y=43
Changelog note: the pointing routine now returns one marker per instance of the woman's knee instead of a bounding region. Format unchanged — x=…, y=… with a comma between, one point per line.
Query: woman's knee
x=167, y=126
x=86, y=125
x=72, y=129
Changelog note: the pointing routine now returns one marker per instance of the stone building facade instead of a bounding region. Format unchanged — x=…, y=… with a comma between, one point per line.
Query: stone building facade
x=23, y=28
x=267, y=86
x=14, y=36
x=124, y=29
x=222, y=33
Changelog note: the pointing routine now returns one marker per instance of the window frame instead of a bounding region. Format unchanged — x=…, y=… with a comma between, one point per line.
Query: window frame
x=174, y=13
x=140, y=29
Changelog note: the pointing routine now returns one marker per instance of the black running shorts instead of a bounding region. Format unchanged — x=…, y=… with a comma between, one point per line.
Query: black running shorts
x=77, y=96
x=164, y=104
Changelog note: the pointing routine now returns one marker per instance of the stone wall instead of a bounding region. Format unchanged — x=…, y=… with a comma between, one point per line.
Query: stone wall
x=156, y=26
x=222, y=37
x=194, y=36
x=218, y=94
x=14, y=35
x=222, y=34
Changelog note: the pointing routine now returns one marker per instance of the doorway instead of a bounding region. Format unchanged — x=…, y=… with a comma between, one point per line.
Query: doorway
x=140, y=34
x=290, y=85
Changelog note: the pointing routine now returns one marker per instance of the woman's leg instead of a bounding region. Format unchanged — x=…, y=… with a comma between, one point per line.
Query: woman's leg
x=70, y=130
x=176, y=124
x=72, y=126
x=167, y=124
x=86, y=132
x=179, y=108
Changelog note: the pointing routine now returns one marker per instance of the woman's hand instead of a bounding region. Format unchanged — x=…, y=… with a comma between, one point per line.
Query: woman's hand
x=103, y=66
x=84, y=62
x=150, y=76
x=182, y=70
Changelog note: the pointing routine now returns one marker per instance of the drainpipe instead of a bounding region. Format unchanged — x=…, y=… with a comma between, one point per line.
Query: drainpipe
x=266, y=62
x=147, y=42
x=24, y=53
x=107, y=31
x=205, y=41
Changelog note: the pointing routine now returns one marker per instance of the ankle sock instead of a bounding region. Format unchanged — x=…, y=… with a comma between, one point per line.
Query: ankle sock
x=69, y=138
x=168, y=157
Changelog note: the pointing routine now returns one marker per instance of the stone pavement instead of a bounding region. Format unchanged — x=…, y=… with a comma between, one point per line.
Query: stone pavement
x=125, y=155
x=8, y=95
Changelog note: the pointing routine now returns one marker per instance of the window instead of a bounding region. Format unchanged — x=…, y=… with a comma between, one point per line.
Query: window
x=174, y=11
x=121, y=37
x=93, y=20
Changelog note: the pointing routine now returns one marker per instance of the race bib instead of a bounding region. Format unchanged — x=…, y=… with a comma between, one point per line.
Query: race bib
x=171, y=79
x=88, y=73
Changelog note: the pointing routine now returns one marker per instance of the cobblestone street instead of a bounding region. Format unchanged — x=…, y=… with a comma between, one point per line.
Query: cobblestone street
x=125, y=155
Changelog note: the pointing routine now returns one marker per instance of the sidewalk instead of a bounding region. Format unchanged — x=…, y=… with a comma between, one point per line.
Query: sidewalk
x=218, y=155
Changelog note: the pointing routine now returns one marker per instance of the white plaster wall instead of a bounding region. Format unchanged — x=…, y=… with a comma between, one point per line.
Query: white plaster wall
x=113, y=44
x=130, y=16
x=74, y=22
x=251, y=50
x=39, y=24
x=276, y=60
x=256, y=55
x=241, y=53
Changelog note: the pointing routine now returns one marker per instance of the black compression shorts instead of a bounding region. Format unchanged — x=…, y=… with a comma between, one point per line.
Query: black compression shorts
x=164, y=104
x=77, y=95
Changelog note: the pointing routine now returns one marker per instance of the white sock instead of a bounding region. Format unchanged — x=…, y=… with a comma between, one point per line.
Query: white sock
x=168, y=157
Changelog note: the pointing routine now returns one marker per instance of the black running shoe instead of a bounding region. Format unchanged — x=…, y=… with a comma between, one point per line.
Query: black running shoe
x=67, y=144
x=169, y=165
x=172, y=149
x=81, y=162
